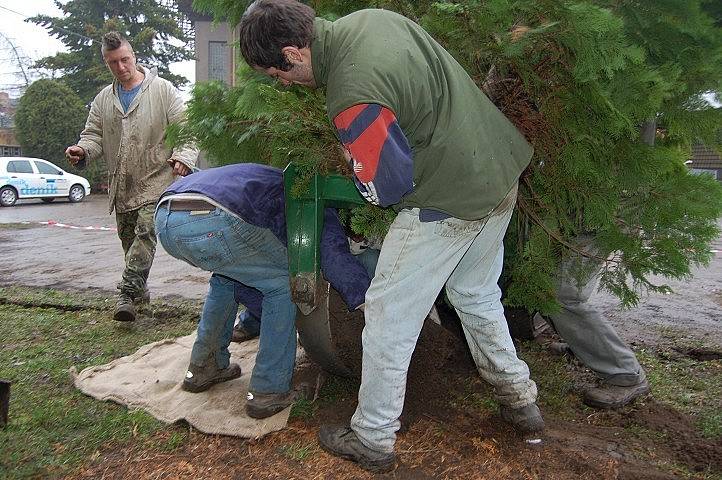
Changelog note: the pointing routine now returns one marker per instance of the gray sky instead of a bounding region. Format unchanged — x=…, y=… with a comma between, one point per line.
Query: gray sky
x=34, y=42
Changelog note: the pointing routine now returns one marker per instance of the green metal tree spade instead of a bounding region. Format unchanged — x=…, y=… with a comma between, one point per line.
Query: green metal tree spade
x=309, y=290
x=304, y=224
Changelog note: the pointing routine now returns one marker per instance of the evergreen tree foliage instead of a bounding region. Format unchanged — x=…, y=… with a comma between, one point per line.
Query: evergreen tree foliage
x=48, y=119
x=153, y=30
x=579, y=79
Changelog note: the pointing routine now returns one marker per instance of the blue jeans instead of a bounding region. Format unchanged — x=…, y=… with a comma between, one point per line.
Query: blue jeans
x=417, y=259
x=229, y=247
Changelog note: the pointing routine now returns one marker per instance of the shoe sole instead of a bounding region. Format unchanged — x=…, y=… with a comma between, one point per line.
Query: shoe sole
x=611, y=406
x=368, y=466
x=264, y=412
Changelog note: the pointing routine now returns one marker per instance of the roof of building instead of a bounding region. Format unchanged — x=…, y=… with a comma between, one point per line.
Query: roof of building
x=186, y=7
x=705, y=158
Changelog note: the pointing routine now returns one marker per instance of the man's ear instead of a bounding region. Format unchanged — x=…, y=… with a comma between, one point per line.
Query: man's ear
x=292, y=55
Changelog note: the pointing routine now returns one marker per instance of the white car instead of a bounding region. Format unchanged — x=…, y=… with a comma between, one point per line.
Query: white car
x=23, y=177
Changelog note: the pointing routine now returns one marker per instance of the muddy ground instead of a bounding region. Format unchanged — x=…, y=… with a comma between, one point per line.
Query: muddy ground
x=450, y=428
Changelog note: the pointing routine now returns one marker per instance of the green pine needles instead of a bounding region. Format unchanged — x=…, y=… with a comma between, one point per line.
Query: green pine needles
x=580, y=80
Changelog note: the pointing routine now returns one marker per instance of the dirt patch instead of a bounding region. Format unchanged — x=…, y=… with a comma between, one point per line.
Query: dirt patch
x=681, y=438
x=701, y=354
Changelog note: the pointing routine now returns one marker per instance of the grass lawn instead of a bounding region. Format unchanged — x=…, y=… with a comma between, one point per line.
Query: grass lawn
x=52, y=426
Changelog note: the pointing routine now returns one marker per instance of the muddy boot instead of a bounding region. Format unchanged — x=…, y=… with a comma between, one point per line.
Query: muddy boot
x=342, y=441
x=200, y=378
x=525, y=419
x=614, y=396
x=124, y=310
x=263, y=405
x=143, y=299
x=240, y=334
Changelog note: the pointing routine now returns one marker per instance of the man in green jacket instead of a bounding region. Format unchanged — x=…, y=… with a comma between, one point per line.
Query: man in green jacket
x=126, y=126
x=424, y=140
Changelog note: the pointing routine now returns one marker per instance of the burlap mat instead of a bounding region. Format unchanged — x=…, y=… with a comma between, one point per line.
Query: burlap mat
x=150, y=380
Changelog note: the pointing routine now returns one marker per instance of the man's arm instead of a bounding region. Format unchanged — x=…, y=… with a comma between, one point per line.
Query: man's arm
x=382, y=159
x=183, y=158
x=342, y=270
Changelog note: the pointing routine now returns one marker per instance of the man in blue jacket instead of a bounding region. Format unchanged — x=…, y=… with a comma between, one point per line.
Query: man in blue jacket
x=231, y=221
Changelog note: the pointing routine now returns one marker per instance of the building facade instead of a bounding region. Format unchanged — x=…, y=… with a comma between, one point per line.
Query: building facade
x=9, y=146
x=215, y=46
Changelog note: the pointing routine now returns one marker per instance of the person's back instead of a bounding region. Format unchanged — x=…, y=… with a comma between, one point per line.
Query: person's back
x=378, y=56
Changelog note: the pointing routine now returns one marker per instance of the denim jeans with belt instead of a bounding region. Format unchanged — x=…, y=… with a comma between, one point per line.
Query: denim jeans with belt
x=229, y=247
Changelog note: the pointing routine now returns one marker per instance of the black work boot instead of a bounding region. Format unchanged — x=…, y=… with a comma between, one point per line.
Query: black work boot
x=614, y=396
x=263, y=405
x=526, y=419
x=200, y=378
x=124, y=310
x=240, y=334
x=341, y=441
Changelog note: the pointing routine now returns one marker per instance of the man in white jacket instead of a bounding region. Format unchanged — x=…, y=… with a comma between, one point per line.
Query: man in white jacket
x=126, y=126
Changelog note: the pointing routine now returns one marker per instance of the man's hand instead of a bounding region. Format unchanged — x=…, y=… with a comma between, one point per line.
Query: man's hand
x=74, y=154
x=179, y=168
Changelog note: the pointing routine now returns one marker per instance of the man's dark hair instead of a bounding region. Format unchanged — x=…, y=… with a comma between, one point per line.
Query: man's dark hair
x=112, y=41
x=267, y=26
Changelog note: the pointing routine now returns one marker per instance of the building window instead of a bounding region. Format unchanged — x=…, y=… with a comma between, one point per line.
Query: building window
x=10, y=151
x=218, y=61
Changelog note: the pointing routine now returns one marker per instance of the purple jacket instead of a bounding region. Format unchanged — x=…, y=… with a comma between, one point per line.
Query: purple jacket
x=255, y=193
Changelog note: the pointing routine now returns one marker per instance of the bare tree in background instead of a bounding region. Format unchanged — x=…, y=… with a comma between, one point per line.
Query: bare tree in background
x=21, y=73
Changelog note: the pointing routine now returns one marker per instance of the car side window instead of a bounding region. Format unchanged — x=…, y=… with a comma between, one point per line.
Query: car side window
x=47, y=169
x=20, y=166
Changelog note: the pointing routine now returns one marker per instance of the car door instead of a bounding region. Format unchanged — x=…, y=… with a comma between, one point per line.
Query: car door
x=55, y=183
x=23, y=178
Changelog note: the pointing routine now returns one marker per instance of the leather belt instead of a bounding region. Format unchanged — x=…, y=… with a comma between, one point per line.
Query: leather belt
x=188, y=205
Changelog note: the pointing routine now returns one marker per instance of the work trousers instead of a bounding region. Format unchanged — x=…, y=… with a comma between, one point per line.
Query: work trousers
x=136, y=231
x=416, y=261
x=589, y=335
x=229, y=247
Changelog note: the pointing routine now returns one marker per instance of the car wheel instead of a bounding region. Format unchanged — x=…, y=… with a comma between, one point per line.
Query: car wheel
x=47, y=200
x=77, y=193
x=8, y=196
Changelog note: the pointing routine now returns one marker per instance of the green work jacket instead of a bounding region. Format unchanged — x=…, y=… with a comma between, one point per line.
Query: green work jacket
x=467, y=155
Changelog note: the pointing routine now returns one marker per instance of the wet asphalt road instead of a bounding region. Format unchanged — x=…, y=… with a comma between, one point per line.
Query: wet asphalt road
x=56, y=256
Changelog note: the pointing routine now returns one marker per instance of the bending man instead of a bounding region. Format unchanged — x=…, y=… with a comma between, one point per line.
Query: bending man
x=231, y=221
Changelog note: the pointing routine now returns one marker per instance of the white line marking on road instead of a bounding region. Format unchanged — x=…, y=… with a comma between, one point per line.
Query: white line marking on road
x=53, y=223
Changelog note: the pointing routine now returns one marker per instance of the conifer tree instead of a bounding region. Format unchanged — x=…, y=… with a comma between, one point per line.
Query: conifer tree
x=48, y=119
x=152, y=28
x=580, y=79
